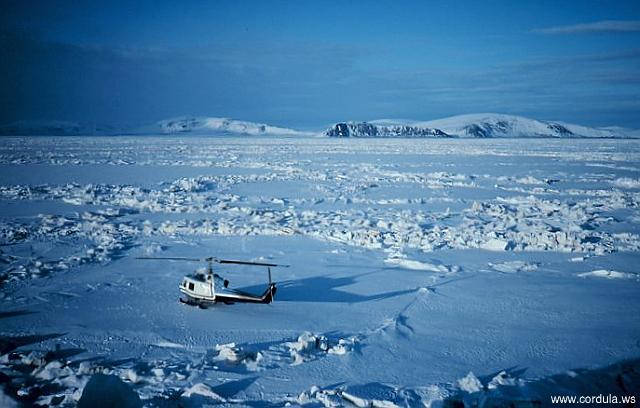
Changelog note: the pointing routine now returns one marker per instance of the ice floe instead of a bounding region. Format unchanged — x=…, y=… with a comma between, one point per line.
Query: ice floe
x=608, y=274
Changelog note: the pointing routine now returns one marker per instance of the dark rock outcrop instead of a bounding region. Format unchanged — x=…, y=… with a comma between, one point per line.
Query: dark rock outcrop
x=368, y=130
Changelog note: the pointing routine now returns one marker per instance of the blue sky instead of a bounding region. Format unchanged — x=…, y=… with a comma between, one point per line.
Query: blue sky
x=310, y=63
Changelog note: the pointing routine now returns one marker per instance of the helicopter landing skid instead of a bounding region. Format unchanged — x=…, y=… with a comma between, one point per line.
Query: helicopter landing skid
x=192, y=302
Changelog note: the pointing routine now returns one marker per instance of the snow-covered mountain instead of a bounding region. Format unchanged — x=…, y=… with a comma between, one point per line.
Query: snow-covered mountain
x=499, y=125
x=182, y=125
x=206, y=125
x=364, y=129
x=480, y=125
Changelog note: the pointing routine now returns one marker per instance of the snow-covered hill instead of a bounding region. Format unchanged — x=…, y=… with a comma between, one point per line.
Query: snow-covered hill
x=365, y=129
x=182, y=125
x=480, y=125
x=206, y=125
x=499, y=125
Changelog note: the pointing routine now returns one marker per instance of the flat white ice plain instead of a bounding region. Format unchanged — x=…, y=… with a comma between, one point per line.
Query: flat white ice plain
x=420, y=269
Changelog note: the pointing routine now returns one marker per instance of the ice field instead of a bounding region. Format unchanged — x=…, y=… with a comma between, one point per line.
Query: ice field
x=421, y=271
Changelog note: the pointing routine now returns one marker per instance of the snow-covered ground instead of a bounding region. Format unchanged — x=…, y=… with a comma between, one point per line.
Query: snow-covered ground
x=420, y=270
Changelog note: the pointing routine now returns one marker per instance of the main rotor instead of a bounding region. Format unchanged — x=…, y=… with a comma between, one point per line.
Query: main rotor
x=211, y=260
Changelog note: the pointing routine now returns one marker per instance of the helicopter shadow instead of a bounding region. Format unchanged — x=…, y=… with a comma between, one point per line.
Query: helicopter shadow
x=326, y=289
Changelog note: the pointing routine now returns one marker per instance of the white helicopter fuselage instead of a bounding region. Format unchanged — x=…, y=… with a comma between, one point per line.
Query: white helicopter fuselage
x=199, y=287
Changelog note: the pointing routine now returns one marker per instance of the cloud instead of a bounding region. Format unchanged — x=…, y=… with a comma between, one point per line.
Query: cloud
x=256, y=80
x=297, y=83
x=606, y=26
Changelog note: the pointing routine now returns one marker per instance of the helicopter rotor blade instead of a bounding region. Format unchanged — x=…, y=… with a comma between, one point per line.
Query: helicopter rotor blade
x=171, y=258
x=209, y=259
x=227, y=261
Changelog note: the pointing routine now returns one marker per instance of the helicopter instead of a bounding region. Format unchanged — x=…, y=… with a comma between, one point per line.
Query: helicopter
x=202, y=289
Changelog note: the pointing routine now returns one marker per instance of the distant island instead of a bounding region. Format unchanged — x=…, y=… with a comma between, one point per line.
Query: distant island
x=480, y=125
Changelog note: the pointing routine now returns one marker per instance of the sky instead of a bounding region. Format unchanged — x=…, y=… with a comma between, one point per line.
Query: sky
x=307, y=64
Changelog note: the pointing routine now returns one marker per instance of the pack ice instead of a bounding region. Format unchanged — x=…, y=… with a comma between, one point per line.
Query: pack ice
x=424, y=272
